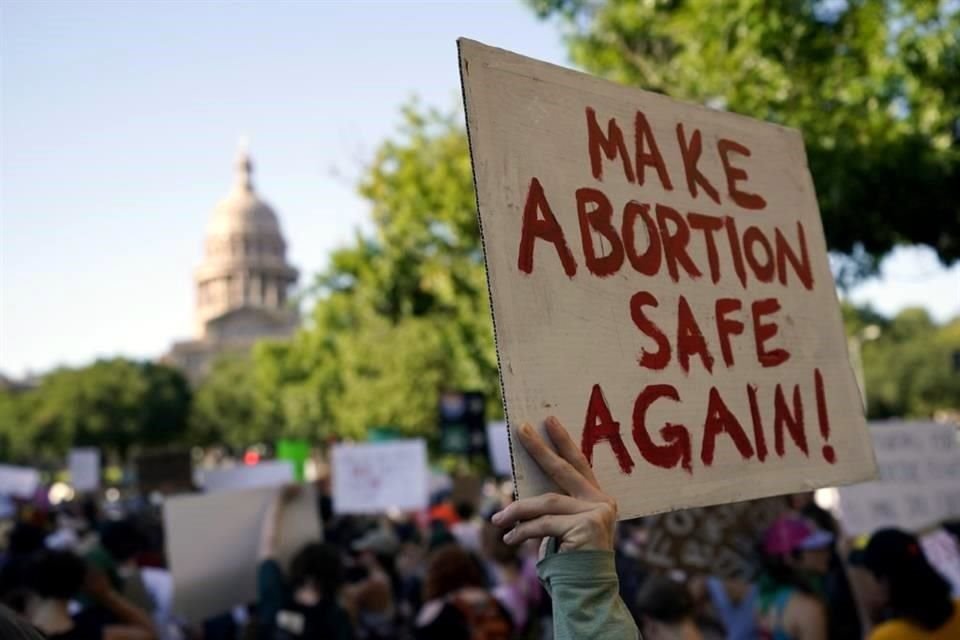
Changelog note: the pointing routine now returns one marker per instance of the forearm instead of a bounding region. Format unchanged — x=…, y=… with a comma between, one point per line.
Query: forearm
x=585, y=592
x=127, y=613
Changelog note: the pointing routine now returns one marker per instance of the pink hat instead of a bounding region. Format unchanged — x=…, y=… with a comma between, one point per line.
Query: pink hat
x=790, y=533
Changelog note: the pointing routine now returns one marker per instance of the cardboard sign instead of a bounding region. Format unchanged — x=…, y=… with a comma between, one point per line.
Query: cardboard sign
x=84, y=464
x=919, y=485
x=499, y=445
x=373, y=477
x=719, y=541
x=212, y=544
x=270, y=473
x=659, y=282
x=18, y=482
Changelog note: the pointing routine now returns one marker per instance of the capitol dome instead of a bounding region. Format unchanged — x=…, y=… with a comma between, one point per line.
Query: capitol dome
x=245, y=258
x=242, y=211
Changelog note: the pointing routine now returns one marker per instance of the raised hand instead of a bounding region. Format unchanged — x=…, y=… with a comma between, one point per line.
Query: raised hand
x=584, y=517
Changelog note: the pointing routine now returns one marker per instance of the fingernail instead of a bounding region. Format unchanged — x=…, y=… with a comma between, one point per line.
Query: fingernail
x=507, y=536
x=526, y=429
x=497, y=517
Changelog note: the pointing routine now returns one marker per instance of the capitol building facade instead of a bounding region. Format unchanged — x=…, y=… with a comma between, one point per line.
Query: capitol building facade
x=242, y=286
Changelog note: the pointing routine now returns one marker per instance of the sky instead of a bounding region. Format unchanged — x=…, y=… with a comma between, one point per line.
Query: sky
x=119, y=122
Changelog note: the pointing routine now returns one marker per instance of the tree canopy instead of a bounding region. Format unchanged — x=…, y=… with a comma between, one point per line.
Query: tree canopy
x=402, y=314
x=908, y=362
x=874, y=86
x=114, y=404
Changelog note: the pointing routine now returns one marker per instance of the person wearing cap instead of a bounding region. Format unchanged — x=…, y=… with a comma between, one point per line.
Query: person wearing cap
x=788, y=605
x=907, y=589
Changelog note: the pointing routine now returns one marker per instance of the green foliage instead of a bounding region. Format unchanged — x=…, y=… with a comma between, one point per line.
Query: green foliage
x=908, y=368
x=114, y=404
x=874, y=85
x=401, y=314
x=225, y=406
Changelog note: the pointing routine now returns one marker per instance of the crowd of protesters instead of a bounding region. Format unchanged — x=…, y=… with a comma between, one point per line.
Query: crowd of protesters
x=487, y=569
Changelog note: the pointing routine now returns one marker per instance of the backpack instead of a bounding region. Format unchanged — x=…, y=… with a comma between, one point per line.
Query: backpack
x=485, y=618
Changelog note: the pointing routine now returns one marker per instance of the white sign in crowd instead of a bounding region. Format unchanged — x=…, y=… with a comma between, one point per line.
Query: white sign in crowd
x=84, y=465
x=269, y=473
x=377, y=476
x=213, y=545
x=919, y=485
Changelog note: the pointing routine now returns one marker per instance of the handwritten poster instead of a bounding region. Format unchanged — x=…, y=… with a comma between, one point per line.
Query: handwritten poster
x=659, y=282
x=719, y=540
x=919, y=485
x=372, y=477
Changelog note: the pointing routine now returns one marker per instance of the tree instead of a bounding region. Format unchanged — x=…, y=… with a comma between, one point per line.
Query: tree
x=401, y=314
x=874, y=86
x=908, y=368
x=113, y=404
x=226, y=408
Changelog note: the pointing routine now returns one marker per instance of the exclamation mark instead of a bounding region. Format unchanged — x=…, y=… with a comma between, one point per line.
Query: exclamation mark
x=828, y=452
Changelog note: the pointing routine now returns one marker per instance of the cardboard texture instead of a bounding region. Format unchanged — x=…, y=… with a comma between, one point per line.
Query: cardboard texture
x=659, y=282
x=84, y=465
x=213, y=541
x=919, y=485
x=719, y=540
x=373, y=477
x=270, y=473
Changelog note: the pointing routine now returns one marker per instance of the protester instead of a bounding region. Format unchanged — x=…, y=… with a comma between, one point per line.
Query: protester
x=467, y=529
x=371, y=600
x=788, y=603
x=57, y=577
x=913, y=597
x=457, y=605
x=303, y=604
x=732, y=603
x=577, y=567
x=512, y=575
x=666, y=611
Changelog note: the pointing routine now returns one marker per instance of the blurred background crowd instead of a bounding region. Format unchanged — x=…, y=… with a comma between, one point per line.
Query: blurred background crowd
x=140, y=353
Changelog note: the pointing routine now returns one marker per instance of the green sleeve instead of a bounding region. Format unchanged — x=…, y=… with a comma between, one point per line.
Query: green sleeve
x=586, y=599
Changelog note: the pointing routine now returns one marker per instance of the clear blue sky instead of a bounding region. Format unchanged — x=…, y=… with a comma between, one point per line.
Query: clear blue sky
x=118, y=125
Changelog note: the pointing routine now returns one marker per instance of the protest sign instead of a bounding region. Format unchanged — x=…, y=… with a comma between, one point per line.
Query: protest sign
x=270, y=473
x=919, y=485
x=212, y=544
x=374, y=477
x=166, y=472
x=297, y=452
x=659, y=282
x=499, y=445
x=18, y=482
x=719, y=540
x=943, y=552
x=84, y=465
